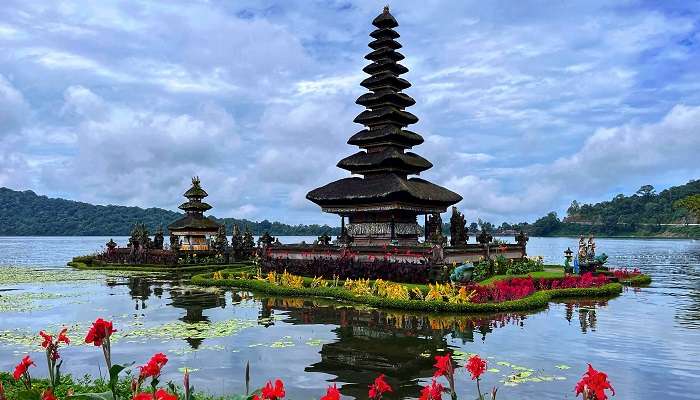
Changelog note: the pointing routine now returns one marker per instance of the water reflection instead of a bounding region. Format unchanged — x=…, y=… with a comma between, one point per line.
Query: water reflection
x=371, y=342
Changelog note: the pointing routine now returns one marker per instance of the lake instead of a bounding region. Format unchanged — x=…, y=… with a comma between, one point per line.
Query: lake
x=647, y=340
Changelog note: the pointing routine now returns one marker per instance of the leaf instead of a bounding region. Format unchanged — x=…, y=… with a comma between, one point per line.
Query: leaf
x=32, y=394
x=92, y=396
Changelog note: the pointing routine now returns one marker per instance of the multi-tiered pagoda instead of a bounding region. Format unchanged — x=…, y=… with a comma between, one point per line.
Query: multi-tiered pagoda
x=382, y=206
x=194, y=231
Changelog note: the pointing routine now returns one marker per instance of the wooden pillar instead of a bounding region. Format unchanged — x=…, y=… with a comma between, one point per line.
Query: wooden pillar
x=393, y=228
x=425, y=227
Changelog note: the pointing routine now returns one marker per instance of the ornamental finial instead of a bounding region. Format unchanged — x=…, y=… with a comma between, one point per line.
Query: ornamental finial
x=195, y=181
x=386, y=9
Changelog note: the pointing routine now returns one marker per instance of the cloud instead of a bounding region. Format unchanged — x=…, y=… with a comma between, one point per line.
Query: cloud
x=521, y=111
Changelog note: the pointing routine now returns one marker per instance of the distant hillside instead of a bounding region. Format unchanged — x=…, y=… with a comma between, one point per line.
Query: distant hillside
x=644, y=213
x=27, y=214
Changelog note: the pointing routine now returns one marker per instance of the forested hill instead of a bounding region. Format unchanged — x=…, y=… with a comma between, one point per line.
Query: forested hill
x=24, y=213
x=644, y=213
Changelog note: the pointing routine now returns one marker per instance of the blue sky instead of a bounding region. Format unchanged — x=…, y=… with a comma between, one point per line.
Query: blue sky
x=524, y=105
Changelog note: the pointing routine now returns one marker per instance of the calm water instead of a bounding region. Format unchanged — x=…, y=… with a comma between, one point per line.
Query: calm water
x=648, y=340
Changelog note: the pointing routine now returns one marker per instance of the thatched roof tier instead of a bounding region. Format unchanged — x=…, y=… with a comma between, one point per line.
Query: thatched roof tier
x=195, y=206
x=388, y=188
x=194, y=223
x=386, y=135
x=390, y=159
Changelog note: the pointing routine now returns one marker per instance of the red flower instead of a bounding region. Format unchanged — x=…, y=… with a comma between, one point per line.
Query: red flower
x=379, y=387
x=443, y=366
x=273, y=393
x=143, y=396
x=162, y=394
x=476, y=366
x=99, y=331
x=595, y=383
x=432, y=392
x=48, y=395
x=332, y=393
x=62, y=337
x=23, y=367
x=154, y=365
x=48, y=339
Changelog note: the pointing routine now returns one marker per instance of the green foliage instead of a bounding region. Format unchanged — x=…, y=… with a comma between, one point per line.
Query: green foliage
x=640, y=214
x=482, y=270
x=690, y=203
x=86, y=385
x=27, y=214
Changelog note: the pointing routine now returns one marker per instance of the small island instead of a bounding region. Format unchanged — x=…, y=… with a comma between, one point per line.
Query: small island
x=378, y=258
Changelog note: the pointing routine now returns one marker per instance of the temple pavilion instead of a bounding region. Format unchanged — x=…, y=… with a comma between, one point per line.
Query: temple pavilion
x=383, y=204
x=194, y=231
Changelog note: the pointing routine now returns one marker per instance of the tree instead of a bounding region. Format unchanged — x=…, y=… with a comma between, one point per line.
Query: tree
x=646, y=191
x=574, y=208
x=690, y=203
x=546, y=225
x=473, y=227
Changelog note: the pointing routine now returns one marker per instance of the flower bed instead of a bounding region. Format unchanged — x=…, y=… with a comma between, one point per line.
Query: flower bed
x=432, y=298
x=630, y=276
x=350, y=268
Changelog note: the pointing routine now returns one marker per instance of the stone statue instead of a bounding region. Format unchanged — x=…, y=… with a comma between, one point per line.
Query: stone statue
x=458, y=229
x=434, y=229
x=521, y=238
x=484, y=237
x=462, y=274
x=139, y=239
x=158, y=239
x=174, y=242
x=324, y=240
x=266, y=239
x=220, y=241
x=590, y=251
x=248, y=245
x=582, y=249
x=111, y=245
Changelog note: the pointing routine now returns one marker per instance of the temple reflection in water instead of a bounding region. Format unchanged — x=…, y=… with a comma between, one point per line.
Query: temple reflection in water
x=371, y=342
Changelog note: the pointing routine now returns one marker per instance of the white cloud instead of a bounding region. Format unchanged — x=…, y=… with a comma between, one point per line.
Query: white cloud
x=123, y=101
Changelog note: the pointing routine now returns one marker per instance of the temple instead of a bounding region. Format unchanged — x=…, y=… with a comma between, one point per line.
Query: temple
x=382, y=206
x=194, y=231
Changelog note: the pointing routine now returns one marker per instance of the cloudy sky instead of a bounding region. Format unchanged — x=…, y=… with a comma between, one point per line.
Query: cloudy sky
x=524, y=105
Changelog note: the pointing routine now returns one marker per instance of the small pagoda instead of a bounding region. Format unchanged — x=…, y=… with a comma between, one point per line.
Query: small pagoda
x=194, y=231
x=382, y=206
